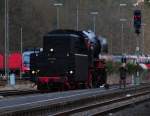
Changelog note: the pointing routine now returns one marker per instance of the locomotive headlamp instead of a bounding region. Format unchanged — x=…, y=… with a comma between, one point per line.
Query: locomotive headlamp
x=71, y=72
x=51, y=50
x=67, y=54
x=33, y=72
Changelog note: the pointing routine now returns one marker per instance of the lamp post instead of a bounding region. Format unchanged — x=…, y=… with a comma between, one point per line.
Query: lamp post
x=6, y=38
x=122, y=20
x=143, y=28
x=94, y=14
x=143, y=36
x=122, y=34
x=58, y=5
x=21, y=50
x=77, y=18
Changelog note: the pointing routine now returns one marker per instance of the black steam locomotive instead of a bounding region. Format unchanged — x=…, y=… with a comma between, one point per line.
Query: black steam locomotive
x=69, y=60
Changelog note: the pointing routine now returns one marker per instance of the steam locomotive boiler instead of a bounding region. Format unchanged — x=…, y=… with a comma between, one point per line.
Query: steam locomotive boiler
x=69, y=60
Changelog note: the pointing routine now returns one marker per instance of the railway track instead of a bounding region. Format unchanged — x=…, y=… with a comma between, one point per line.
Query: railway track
x=107, y=106
x=8, y=93
x=86, y=103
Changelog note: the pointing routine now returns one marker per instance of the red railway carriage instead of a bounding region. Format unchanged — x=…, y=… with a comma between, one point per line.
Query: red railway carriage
x=15, y=62
x=67, y=62
x=1, y=64
x=1, y=61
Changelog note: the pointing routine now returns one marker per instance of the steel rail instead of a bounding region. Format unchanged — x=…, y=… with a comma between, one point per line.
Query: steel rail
x=67, y=103
x=106, y=106
x=7, y=93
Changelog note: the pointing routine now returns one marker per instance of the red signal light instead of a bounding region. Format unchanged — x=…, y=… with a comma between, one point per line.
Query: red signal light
x=137, y=17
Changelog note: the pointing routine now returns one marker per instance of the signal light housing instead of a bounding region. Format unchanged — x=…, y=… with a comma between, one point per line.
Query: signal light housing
x=137, y=21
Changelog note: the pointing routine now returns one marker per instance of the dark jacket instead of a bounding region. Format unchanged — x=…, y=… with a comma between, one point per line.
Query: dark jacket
x=123, y=72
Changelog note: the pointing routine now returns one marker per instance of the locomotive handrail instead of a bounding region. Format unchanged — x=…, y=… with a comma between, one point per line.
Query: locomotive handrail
x=59, y=35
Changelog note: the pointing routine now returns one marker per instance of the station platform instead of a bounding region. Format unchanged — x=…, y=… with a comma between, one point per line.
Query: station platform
x=26, y=85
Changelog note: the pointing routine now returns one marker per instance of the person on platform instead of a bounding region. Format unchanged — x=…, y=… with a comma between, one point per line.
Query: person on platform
x=123, y=74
